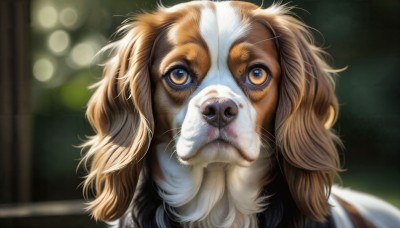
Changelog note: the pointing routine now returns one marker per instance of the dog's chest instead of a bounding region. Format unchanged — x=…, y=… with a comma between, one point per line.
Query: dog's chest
x=216, y=195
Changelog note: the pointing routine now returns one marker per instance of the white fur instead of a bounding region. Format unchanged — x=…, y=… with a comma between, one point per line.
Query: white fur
x=220, y=29
x=373, y=209
x=339, y=214
x=219, y=195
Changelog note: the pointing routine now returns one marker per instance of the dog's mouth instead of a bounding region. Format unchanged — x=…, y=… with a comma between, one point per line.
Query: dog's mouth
x=219, y=150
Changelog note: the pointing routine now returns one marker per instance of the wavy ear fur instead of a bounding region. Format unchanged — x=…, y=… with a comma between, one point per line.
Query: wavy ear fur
x=120, y=111
x=306, y=110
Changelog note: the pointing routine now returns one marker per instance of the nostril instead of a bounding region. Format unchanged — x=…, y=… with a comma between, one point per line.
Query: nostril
x=230, y=111
x=209, y=111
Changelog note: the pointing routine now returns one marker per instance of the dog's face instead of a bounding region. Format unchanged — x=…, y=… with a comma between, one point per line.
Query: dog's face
x=222, y=86
x=216, y=86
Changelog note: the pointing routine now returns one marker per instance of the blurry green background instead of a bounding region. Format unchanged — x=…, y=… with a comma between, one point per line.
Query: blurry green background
x=363, y=35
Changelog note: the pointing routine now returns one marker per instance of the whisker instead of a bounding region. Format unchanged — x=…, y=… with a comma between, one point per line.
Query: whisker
x=172, y=129
x=272, y=135
x=267, y=136
x=272, y=38
x=171, y=141
x=172, y=154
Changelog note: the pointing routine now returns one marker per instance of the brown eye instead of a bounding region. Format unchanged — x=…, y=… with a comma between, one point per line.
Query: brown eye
x=178, y=78
x=257, y=76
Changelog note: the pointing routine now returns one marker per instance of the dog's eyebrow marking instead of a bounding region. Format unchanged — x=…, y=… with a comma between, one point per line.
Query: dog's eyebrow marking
x=220, y=27
x=209, y=92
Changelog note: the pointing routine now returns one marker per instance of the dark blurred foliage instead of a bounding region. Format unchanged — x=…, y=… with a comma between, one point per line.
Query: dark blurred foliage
x=362, y=35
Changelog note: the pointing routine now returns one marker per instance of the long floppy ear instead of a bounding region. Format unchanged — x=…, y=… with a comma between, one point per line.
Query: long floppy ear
x=120, y=111
x=307, y=109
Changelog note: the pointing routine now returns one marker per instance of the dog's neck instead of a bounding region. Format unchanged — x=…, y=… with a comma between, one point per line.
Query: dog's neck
x=213, y=195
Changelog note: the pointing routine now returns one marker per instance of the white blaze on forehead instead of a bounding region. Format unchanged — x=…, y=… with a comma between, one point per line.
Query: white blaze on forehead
x=220, y=27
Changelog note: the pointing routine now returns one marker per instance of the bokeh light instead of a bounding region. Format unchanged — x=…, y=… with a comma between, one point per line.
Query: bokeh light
x=82, y=54
x=59, y=41
x=47, y=16
x=69, y=17
x=43, y=70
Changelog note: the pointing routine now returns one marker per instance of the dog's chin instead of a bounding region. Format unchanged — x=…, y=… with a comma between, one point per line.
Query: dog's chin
x=217, y=152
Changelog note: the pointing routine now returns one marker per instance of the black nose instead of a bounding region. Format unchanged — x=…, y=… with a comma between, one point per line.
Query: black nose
x=219, y=112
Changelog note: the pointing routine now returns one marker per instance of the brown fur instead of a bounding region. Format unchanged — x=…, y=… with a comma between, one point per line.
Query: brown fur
x=256, y=47
x=310, y=160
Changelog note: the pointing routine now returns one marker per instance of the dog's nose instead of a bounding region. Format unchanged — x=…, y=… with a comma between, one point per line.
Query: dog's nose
x=219, y=112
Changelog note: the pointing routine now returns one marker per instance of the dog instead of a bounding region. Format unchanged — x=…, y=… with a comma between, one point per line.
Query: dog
x=219, y=114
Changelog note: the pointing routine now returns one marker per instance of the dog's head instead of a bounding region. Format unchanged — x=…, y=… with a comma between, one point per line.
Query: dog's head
x=205, y=83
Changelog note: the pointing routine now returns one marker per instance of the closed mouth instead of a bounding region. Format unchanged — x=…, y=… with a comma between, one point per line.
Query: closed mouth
x=221, y=143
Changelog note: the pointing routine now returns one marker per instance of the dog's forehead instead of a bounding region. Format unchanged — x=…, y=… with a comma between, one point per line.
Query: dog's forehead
x=217, y=41
x=220, y=26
